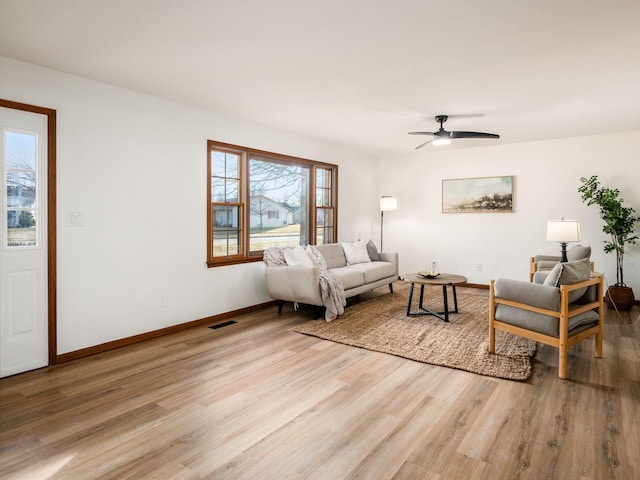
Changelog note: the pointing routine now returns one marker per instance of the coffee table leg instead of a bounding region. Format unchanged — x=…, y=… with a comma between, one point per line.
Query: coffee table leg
x=446, y=303
x=455, y=299
x=410, y=300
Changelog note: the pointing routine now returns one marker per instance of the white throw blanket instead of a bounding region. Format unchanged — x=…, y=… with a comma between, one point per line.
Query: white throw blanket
x=332, y=294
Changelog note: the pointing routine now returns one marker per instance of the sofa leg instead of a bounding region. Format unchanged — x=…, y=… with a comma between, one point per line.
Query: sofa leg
x=280, y=305
x=391, y=287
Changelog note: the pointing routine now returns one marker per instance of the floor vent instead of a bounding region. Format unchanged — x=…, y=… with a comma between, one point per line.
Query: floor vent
x=220, y=325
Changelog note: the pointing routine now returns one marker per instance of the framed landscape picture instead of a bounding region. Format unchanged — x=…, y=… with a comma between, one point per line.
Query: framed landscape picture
x=478, y=195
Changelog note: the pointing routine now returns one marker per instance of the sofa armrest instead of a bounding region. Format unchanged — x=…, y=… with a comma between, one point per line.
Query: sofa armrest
x=389, y=257
x=532, y=294
x=294, y=284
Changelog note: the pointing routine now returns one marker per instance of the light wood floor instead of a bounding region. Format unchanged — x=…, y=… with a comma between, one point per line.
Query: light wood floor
x=256, y=401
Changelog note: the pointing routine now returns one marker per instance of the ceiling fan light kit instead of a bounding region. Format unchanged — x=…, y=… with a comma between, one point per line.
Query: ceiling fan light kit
x=444, y=137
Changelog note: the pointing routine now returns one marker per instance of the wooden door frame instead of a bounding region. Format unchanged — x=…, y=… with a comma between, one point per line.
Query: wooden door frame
x=51, y=220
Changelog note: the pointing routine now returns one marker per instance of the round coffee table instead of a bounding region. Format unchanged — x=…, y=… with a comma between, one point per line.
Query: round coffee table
x=444, y=279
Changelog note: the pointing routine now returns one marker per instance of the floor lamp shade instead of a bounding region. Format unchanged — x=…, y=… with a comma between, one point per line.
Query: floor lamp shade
x=388, y=203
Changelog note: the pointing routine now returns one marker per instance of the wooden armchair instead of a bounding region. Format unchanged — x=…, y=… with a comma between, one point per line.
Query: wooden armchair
x=541, y=263
x=559, y=316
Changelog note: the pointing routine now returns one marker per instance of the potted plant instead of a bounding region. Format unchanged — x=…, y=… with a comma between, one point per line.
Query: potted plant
x=619, y=223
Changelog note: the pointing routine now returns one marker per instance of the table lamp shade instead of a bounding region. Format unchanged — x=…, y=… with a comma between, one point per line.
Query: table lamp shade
x=563, y=231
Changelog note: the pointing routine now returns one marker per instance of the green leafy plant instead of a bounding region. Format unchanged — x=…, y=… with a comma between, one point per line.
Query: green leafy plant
x=619, y=221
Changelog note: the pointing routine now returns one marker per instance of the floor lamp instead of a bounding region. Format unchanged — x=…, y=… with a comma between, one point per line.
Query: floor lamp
x=563, y=231
x=387, y=203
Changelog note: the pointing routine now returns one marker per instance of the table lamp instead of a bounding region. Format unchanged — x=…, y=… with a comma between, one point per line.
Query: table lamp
x=563, y=231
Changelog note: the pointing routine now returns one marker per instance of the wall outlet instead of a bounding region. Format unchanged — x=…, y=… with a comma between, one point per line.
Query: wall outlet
x=163, y=300
x=478, y=267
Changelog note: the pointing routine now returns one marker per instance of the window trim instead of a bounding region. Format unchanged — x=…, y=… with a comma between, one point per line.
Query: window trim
x=245, y=153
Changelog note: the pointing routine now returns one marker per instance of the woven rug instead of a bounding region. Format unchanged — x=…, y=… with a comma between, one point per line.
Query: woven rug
x=381, y=325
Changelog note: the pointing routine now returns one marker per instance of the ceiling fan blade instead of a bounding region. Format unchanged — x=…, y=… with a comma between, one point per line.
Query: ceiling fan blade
x=466, y=115
x=460, y=134
x=423, y=144
x=421, y=133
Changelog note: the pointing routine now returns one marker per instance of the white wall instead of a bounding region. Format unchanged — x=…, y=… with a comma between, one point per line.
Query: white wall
x=546, y=181
x=136, y=166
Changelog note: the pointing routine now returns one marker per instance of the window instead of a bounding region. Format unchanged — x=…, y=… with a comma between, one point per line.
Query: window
x=259, y=199
x=20, y=165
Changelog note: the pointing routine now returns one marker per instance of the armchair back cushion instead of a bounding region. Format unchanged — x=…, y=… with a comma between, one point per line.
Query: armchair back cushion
x=578, y=252
x=545, y=324
x=569, y=273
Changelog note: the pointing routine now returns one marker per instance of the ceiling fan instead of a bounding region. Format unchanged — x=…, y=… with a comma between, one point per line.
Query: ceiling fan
x=443, y=137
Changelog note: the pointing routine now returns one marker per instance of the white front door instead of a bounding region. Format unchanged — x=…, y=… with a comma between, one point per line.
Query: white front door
x=23, y=248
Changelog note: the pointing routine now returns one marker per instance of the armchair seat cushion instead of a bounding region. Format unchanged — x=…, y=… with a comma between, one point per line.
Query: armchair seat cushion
x=536, y=295
x=544, y=324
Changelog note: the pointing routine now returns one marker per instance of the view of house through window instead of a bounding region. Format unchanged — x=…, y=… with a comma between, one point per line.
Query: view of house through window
x=259, y=199
x=278, y=198
x=20, y=165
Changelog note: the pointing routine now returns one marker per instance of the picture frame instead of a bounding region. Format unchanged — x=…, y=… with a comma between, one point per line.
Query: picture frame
x=478, y=195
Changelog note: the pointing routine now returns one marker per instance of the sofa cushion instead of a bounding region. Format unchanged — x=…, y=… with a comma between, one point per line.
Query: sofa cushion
x=349, y=276
x=333, y=254
x=297, y=257
x=374, y=271
x=356, y=252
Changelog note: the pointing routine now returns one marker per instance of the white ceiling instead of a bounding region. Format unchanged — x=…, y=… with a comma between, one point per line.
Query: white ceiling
x=361, y=73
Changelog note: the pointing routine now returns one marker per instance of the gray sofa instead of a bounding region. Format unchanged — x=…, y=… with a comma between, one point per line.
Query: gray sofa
x=301, y=283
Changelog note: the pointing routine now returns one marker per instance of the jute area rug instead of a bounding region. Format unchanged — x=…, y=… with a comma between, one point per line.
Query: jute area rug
x=381, y=325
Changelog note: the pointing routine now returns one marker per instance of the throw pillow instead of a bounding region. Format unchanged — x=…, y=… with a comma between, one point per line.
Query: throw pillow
x=297, y=257
x=356, y=252
x=553, y=276
x=569, y=273
x=316, y=257
x=372, y=250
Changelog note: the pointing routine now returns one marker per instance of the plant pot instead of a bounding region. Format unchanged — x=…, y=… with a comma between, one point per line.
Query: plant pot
x=619, y=297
